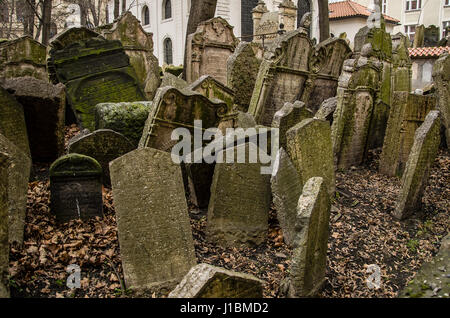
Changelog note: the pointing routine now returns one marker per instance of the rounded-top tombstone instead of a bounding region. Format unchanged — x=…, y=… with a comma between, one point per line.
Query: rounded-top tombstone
x=76, y=187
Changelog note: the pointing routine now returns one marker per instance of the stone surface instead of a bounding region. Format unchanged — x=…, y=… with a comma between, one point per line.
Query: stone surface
x=208, y=50
x=441, y=78
x=18, y=174
x=76, y=188
x=208, y=86
x=401, y=64
x=309, y=258
x=408, y=112
x=286, y=189
x=4, y=245
x=94, y=70
x=156, y=242
x=242, y=71
x=168, y=79
x=104, y=145
x=44, y=106
x=309, y=147
x=238, y=210
x=23, y=57
x=127, y=119
x=207, y=281
x=289, y=116
x=12, y=121
x=327, y=109
x=421, y=158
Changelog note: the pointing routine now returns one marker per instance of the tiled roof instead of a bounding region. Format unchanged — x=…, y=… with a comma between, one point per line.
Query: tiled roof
x=428, y=51
x=348, y=9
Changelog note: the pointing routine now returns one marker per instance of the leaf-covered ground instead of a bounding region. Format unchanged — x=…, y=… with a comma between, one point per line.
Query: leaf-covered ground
x=362, y=232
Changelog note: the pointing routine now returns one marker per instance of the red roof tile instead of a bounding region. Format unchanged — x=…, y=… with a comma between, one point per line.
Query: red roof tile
x=428, y=51
x=348, y=9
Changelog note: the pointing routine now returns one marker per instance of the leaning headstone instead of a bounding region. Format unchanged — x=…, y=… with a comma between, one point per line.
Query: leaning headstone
x=207, y=281
x=94, y=70
x=208, y=50
x=238, y=210
x=208, y=86
x=407, y=113
x=441, y=78
x=23, y=57
x=286, y=189
x=76, y=188
x=44, y=106
x=4, y=245
x=156, y=242
x=309, y=258
x=242, y=70
x=309, y=147
x=127, y=119
x=289, y=116
x=421, y=158
x=104, y=145
x=168, y=79
x=18, y=175
x=12, y=121
x=326, y=110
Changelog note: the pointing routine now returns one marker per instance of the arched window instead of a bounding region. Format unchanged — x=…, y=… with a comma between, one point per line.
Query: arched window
x=145, y=16
x=168, y=58
x=167, y=9
x=53, y=29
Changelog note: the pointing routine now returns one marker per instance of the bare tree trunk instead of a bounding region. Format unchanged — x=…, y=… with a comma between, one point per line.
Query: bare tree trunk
x=46, y=18
x=91, y=4
x=201, y=10
x=116, y=8
x=324, y=22
x=124, y=6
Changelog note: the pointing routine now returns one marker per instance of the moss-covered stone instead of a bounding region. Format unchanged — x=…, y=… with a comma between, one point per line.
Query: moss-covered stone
x=75, y=165
x=441, y=78
x=213, y=89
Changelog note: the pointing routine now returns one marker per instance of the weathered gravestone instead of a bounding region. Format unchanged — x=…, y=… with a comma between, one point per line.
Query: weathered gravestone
x=208, y=86
x=207, y=281
x=431, y=36
x=127, y=119
x=289, y=116
x=44, y=106
x=156, y=242
x=286, y=189
x=23, y=57
x=168, y=79
x=4, y=245
x=408, y=112
x=309, y=258
x=242, y=71
x=104, y=145
x=238, y=210
x=94, y=70
x=401, y=64
x=138, y=45
x=208, y=50
x=327, y=109
x=417, y=171
x=309, y=147
x=76, y=188
x=12, y=121
x=419, y=36
x=441, y=78
x=18, y=173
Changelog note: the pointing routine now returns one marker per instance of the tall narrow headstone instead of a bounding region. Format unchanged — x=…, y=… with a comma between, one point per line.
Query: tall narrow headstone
x=441, y=78
x=4, y=245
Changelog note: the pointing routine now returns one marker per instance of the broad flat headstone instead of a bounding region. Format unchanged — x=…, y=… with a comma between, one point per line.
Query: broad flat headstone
x=208, y=86
x=12, y=121
x=286, y=189
x=207, y=281
x=309, y=147
x=431, y=36
x=23, y=57
x=76, y=188
x=94, y=70
x=239, y=207
x=208, y=50
x=420, y=161
x=441, y=79
x=289, y=116
x=44, y=106
x=156, y=242
x=309, y=257
x=407, y=113
x=104, y=145
x=18, y=174
x=242, y=71
x=4, y=245
x=127, y=119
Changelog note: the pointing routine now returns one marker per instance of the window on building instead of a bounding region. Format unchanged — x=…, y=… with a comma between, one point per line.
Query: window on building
x=445, y=28
x=413, y=5
x=168, y=56
x=410, y=31
x=447, y=2
x=53, y=30
x=384, y=6
x=145, y=16
x=167, y=9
